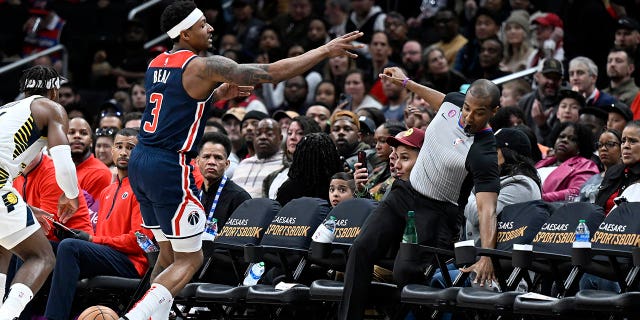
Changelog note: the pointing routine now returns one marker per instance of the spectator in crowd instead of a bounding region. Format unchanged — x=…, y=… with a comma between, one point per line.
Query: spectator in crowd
x=512, y=91
x=619, y=177
x=249, y=127
x=610, y=154
x=538, y=105
x=566, y=171
x=300, y=126
x=627, y=37
x=583, y=74
x=284, y=118
x=326, y=94
x=380, y=51
x=517, y=45
x=486, y=25
x=396, y=28
x=68, y=94
x=620, y=67
x=491, y=53
x=138, y=97
x=507, y=117
x=38, y=187
x=567, y=110
x=345, y=133
x=315, y=161
x=270, y=45
x=231, y=121
x=123, y=98
x=245, y=26
x=220, y=196
x=365, y=17
x=619, y=116
x=417, y=115
x=317, y=34
x=336, y=72
x=451, y=41
x=342, y=187
x=336, y=12
x=376, y=116
x=369, y=182
x=396, y=101
x=594, y=118
x=367, y=129
x=93, y=175
x=251, y=172
x=294, y=24
x=132, y=120
x=440, y=76
x=519, y=181
x=548, y=38
x=320, y=113
x=113, y=250
x=411, y=58
x=295, y=95
x=357, y=85
x=213, y=125
x=110, y=119
x=104, y=144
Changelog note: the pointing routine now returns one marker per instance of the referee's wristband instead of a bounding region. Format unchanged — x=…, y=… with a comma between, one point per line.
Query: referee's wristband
x=404, y=82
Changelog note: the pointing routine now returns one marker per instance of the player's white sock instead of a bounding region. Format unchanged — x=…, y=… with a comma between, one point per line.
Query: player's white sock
x=19, y=296
x=3, y=280
x=156, y=298
x=163, y=312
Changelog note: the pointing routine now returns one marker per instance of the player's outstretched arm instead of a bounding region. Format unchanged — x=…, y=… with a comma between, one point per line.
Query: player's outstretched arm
x=222, y=69
x=52, y=116
x=431, y=96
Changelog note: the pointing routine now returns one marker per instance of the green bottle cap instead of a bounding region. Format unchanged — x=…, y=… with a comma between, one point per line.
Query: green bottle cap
x=411, y=214
x=582, y=221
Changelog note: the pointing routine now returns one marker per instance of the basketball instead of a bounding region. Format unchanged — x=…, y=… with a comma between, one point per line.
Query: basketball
x=98, y=313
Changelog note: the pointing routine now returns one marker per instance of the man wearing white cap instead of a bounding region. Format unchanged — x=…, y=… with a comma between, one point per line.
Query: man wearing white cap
x=180, y=85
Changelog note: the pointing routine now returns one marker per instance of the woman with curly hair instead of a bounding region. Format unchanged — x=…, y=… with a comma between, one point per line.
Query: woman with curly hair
x=315, y=161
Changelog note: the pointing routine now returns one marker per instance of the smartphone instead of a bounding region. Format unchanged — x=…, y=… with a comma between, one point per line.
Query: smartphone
x=344, y=97
x=362, y=158
x=60, y=225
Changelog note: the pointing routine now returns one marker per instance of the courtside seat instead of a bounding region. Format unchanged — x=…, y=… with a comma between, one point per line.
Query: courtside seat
x=627, y=303
x=222, y=293
x=560, y=307
x=268, y=294
x=483, y=299
x=429, y=296
x=331, y=291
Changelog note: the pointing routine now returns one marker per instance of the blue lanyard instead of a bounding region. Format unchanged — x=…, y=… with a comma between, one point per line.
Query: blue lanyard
x=216, y=198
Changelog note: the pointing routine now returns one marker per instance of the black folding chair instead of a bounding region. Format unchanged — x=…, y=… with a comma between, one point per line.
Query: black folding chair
x=517, y=224
x=284, y=249
x=218, y=285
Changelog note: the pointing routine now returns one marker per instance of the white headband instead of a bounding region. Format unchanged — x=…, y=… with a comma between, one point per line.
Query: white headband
x=186, y=23
x=42, y=84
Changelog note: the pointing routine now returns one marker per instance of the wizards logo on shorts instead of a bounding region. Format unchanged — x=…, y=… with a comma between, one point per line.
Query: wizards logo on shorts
x=193, y=218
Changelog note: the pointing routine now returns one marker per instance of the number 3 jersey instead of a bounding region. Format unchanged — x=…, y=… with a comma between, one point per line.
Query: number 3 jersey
x=20, y=139
x=172, y=120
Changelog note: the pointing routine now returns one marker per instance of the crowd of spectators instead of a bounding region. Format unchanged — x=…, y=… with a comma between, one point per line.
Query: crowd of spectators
x=301, y=137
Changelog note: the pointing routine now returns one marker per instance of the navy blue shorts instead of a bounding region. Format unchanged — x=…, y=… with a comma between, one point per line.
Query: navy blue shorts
x=163, y=183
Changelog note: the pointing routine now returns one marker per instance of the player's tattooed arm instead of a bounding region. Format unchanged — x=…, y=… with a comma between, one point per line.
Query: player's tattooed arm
x=226, y=70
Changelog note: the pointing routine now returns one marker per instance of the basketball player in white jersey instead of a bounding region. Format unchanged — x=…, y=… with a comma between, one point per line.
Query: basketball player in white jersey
x=28, y=125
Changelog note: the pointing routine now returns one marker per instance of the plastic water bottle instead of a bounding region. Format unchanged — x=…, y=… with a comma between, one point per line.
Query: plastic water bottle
x=145, y=243
x=326, y=232
x=410, y=235
x=255, y=273
x=582, y=232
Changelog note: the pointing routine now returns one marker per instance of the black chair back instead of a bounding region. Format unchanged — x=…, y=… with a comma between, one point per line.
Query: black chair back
x=248, y=222
x=620, y=230
x=519, y=223
x=557, y=234
x=293, y=226
x=350, y=216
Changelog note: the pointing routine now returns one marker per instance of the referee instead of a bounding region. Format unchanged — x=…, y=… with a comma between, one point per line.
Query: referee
x=458, y=154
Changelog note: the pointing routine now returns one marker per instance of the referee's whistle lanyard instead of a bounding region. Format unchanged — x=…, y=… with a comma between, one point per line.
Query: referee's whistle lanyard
x=215, y=199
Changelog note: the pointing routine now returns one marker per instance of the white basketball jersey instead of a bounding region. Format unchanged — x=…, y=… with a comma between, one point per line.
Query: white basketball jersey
x=20, y=139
